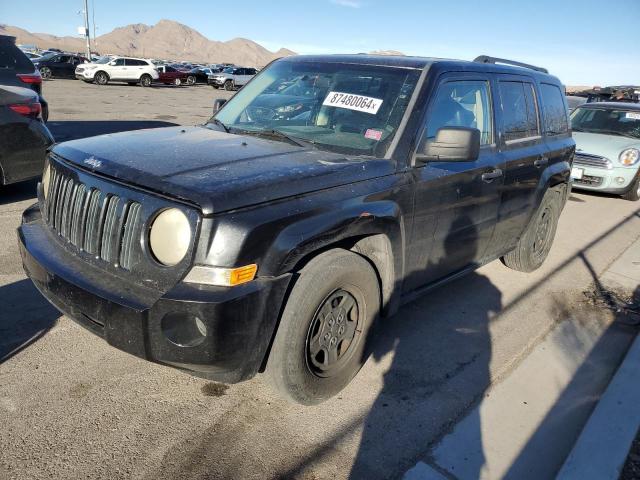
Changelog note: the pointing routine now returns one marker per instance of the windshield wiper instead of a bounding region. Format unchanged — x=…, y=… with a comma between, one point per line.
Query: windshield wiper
x=279, y=135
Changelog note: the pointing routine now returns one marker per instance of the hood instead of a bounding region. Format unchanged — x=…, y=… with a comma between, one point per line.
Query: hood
x=215, y=170
x=608, y=146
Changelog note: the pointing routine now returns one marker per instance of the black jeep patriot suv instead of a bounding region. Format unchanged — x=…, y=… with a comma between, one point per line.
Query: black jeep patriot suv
x=270, y=238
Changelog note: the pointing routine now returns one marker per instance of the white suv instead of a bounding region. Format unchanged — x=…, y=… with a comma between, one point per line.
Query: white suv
x=232, y=77
x=118, y=69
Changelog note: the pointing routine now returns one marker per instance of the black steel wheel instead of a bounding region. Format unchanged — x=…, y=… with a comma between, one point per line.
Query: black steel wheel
x=536, y=241
x=320, y=343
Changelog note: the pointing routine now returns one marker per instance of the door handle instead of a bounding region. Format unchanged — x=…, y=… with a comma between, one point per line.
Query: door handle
x=491, y=176
x=541, y=161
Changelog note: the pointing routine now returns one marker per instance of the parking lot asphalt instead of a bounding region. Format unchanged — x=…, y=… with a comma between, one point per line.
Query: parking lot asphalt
x=73, y=407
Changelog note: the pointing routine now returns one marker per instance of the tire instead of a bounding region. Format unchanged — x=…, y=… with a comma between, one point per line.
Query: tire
x=45, y=73
x=633, y=194
x=146, y=80
x=534, y=245
x=177, y=82
x=300, y=366
x=228, y=85
x=191, y=80
x=101, y=78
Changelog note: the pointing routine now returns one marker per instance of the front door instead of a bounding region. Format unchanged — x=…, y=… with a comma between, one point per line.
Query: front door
x=456, y=203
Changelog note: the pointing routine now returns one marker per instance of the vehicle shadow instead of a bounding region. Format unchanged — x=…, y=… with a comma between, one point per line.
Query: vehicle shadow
x=26, y=317
x=18, y=192
x=65, y=130
x=432, y=341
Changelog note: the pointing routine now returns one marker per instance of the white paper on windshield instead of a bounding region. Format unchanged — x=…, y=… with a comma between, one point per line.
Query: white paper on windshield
x=351, y=101
x=633, y=115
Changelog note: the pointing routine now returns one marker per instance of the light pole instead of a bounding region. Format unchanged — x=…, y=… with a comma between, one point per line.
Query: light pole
x=86, y=29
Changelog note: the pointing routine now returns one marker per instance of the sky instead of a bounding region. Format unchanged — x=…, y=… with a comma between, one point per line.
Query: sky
x=583, y=42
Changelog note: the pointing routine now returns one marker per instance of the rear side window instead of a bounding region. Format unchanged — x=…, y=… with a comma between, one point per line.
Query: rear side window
x=519, y=112
x=12, y=58
x=135, y=63
x=553, y=107
x=462, y=103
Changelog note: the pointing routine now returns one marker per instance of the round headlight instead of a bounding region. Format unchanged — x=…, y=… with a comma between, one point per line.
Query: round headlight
x=46, y=177
x=629, y=157
x=170, y=236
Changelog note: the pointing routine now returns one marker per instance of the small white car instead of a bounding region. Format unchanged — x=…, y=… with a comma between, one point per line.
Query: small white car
x=118, y=69
x=232, y=77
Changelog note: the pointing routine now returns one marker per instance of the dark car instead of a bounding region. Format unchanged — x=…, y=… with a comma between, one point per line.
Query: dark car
x=16, y=69
x=24, y=138
x=272, y=245
x=198, y=75
x=58, y=65
x=171, y=76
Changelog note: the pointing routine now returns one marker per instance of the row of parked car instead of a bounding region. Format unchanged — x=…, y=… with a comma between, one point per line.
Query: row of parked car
x=144, y=72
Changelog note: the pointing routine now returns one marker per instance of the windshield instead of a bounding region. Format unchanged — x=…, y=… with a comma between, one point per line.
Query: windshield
x=345, y=108
x=102, y=60
x=607, y=121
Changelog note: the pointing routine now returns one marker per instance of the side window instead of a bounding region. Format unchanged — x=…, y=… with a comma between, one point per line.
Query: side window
x=462, y=103
x=553, y=107
x=519, y=113
x=119, y=62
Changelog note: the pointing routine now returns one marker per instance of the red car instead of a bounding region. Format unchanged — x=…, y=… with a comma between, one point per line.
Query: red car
x=169, y=75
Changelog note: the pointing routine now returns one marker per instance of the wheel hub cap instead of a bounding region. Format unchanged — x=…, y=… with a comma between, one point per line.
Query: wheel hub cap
x=333, y=334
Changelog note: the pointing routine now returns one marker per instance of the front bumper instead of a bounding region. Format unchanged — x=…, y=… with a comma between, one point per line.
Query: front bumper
x=605, y=180
x=238, y=322
x=86, y=75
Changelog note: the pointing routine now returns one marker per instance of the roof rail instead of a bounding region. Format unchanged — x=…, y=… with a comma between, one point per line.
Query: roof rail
x=504, y=61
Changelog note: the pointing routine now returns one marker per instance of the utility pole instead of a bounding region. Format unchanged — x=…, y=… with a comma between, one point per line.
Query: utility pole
x=86, y=29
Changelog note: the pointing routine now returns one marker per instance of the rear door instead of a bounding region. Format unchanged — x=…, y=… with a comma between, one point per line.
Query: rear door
x=132, y=68
x=524, y=151
x=560, y=145
x=456, y=203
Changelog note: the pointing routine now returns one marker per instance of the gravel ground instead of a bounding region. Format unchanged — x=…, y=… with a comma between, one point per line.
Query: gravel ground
x=73, y=407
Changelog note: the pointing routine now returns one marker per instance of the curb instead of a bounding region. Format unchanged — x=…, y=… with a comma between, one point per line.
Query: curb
x=603, y=444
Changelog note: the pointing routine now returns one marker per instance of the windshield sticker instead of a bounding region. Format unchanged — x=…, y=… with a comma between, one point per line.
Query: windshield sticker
x=632, y=115
x=372, y=134
x=350, y=101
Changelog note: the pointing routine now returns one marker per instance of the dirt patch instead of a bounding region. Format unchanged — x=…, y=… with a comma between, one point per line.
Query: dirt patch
x=214, y=389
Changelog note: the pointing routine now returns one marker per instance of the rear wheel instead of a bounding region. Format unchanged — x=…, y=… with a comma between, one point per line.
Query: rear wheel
x=177, y=82
x=535, y=243
x=45, y=73
x=191, y=80
x=320, y=343
x=145, y=80
x=101, y=78
x=633, y=194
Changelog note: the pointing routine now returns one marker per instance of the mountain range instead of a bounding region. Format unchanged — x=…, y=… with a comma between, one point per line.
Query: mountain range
x=164, y=40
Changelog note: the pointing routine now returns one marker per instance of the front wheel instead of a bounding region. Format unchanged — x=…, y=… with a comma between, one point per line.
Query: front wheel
x=633, y=194
x=145, y=80
x=191, y=80
x=534, y=245
x=45, y=73
x=101, y=78
x=228, y=85
x=320, y=343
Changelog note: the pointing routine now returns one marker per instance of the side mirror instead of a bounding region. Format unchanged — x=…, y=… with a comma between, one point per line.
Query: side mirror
x=452, y=144
x=218, y=103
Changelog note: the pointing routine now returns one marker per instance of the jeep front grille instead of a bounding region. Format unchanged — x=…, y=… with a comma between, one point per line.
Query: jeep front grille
x=594, y=161
x=93, y=221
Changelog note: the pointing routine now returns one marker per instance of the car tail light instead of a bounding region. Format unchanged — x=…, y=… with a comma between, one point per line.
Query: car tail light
x=30, y=78
x=32, y=110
